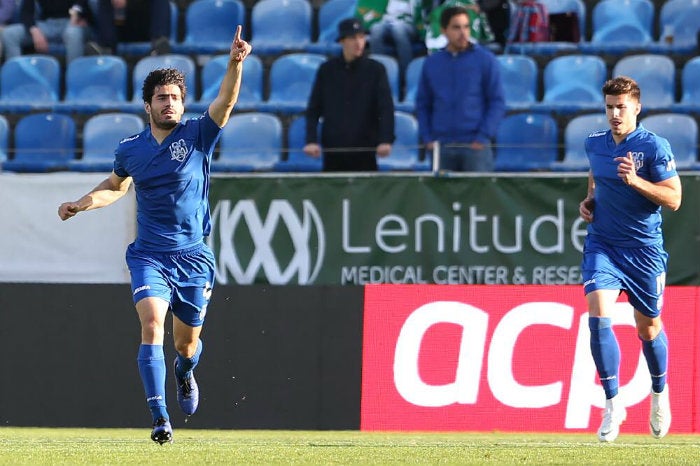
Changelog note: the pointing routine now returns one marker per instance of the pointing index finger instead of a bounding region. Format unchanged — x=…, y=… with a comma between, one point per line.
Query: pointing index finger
x=237, y=37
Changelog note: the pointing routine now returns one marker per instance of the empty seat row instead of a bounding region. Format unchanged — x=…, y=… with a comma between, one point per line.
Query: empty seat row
x=618, y=26
x=98, y=83
x=253, y=141
x=572, y=83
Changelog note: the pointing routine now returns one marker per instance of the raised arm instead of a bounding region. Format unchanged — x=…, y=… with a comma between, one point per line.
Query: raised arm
x=221, y=107
x=108, y=191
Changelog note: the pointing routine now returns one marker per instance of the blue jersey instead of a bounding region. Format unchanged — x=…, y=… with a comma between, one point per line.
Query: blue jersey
x=621, y=216
x=172, y=184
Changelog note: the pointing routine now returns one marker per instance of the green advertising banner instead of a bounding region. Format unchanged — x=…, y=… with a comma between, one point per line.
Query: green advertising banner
x=329, y=230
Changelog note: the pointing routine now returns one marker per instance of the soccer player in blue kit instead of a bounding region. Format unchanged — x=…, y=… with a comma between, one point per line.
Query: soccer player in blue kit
x=632, y=176
x=171, y=266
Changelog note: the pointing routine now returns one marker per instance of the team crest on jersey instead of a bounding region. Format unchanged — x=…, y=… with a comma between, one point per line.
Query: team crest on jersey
x=178, y=150
x=638, y=158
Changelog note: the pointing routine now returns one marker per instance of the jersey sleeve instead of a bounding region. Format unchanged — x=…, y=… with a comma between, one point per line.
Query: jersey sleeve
x=209, y=134
x=663, y=164
x=119, y=168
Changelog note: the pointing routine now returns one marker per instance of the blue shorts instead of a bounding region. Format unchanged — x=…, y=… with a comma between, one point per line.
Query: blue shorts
x=184, y=279
x=640, y=272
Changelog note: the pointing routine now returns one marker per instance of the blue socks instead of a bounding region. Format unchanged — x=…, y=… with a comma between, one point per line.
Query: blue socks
x=151, y=361
x=656, y=353
x=185, y=365
x=606, y=353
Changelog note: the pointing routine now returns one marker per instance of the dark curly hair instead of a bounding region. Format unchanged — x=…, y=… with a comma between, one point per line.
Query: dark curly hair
x=621, y=85
x=162, y=77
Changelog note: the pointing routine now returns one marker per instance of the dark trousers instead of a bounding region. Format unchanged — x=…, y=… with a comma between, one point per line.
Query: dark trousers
x=144, y=21
x=349, y=161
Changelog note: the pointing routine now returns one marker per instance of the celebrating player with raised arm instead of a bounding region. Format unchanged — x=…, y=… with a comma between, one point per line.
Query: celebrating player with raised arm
x=171, y=266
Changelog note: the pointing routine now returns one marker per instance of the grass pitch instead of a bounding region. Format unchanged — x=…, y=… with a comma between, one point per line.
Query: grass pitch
x=37, y=446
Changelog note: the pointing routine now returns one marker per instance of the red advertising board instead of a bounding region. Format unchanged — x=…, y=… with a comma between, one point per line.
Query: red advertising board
x=511, y=358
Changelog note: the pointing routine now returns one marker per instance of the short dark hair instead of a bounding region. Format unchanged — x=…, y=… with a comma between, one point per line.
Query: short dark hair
x=450, y=12
x=162, y=77
x=621, y=85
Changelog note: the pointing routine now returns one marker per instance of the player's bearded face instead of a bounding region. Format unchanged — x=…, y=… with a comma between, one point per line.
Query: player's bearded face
x=166, y=107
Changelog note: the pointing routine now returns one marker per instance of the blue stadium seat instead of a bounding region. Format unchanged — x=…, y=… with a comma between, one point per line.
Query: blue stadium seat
x=690, y=87
x=330, y=14
x=681, y=132
x=576, y=132
x=554, y=47
x=413, y=73
x=405, y=152
x=94, y=83
x=656, y=76
x=391, y=65
x=526, y=142
x=573, y=83
x=250, y=95
x=43, y=142
x=138, y=49
x=29, y=83
x=4, y=138
x=291, y=79
x=679, y=19
x=101, y=135
x=297, y=160
x=147, y=64
x=520, y=76
x=249, y=142
x=620, y=26
x=280, y=26
x=210, y=26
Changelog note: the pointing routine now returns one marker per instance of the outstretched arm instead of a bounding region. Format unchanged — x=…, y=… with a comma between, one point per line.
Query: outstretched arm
x=221, y=106
x=108, y=191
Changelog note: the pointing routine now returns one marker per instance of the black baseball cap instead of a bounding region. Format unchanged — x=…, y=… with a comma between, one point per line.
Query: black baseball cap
x=349, y=27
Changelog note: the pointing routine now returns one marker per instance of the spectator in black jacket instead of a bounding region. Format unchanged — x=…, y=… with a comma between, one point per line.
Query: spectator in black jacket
x=58, y=21
x=351, y=94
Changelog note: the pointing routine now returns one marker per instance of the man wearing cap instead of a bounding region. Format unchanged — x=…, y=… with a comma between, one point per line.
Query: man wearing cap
x=351, y=95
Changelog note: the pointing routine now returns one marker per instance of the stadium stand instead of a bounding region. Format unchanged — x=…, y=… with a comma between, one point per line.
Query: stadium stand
x=94, y=83
x=681, y=132
x=413, y=72
x=291, y=80
x=656, y=76
x=619, y=26
x=251, y=92
x=4, y=138
x=520, y=77
x=210, y=25
x=44, y=142
x=572, y=83
x=101, y=135
x=575, y=133
x=280, y=26
x=145, y=65
x=29, y=83
x=554, y=47
x=330, y=14
x=526, y=142
x=679, y=24
x=391, y=65
x=296, y=160
x=140, y=49
x=249, y=142
x=405, y=152
x=690, y=87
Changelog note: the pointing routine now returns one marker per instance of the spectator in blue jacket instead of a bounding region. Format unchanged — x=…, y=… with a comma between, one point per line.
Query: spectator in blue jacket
x=460, y=100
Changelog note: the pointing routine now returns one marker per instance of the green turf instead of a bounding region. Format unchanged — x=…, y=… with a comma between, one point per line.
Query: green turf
x=38, y=446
